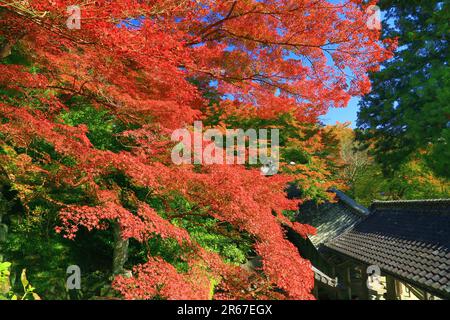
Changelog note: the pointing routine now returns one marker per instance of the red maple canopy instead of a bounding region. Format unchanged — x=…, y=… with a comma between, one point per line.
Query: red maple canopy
x=151, y=65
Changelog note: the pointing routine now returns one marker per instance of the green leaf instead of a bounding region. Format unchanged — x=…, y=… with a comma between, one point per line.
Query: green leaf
x=4, y=266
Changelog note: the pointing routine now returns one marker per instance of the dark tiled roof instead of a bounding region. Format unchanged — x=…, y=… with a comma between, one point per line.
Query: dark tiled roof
x=331, y=219
x=408, y=239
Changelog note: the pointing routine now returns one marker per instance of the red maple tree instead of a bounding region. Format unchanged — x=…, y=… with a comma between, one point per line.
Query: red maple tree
x=152, y=64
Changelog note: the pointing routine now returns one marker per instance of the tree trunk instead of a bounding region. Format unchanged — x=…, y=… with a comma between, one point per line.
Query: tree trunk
x=8, y=44
x=4, y=209
x=3, y=234
x=120, y=254
x=5, y=49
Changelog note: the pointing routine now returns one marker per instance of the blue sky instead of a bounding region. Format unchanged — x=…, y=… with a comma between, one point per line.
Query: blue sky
x=343, y=114
x=350, y=113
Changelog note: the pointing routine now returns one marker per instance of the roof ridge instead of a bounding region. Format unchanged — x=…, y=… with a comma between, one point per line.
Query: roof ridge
x=360, y=209
x=418, y=204
x=413, y=200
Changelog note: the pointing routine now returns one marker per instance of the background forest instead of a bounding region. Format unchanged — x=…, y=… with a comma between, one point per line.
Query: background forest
x=86, y=116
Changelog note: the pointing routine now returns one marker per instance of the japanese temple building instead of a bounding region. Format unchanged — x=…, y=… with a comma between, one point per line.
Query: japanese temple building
x=394, y=250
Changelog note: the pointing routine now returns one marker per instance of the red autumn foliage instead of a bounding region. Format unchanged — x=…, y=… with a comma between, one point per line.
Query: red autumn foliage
x=157, y=272
x=271, y=57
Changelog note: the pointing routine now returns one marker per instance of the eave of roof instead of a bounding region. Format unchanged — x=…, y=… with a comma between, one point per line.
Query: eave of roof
x=333, y=218
x=322, y=277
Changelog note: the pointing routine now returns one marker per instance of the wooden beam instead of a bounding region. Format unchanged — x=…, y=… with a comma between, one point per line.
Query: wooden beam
x=364, y=278
x=316, y=289
x=348, y=280
x=391, y=293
